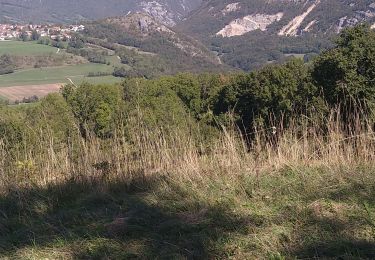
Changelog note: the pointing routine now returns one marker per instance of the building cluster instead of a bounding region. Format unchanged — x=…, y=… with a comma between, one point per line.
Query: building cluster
x=12, y=31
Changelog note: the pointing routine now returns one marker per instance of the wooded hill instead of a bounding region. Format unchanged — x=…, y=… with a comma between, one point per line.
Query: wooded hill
x=264, y=31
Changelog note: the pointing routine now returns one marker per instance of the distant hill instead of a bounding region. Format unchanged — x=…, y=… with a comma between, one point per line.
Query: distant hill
x=249, y=33
x=244, y=34
x=150, y=47
x=231, y=18
x=69, y=11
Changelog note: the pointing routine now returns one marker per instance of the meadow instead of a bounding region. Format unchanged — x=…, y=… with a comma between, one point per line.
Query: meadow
x=24, y=48
x=77, y=73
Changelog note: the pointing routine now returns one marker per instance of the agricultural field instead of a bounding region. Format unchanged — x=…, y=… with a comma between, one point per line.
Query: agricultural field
x=77, y=73
x=25, y=48
x=19, y=92
x=31, y=81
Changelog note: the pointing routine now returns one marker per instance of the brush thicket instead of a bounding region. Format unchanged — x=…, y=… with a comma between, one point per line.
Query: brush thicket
x=182, y=155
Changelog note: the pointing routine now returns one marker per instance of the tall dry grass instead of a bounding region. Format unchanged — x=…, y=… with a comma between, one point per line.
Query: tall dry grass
x=182, y=156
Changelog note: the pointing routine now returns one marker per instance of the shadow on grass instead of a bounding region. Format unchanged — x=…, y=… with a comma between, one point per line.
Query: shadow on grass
x=157, y=218
x=118, y=221
x=330, y=238
x=338, y=249
x=340, y=224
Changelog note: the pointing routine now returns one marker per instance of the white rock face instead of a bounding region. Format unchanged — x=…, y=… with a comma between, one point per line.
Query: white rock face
x=291, y=29
x=231, y=8
x=309, y=26
x=359, y=16
x=249, y=23
x=159, y=12
x=341, y=24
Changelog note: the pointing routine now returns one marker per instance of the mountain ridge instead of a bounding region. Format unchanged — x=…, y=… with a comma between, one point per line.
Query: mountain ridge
x=244, y=34
x=247, y=34
x=39, y=11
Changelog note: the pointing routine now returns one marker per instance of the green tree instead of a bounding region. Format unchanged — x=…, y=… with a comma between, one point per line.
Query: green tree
x=96, y=107
x=346, y=73
x=35, y=36
x=6, y=64
x=24, y=36
x=276, y=90
x=153, y=103
x=53, y=114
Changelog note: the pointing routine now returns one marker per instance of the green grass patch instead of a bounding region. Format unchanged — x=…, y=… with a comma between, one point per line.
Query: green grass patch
x=77, y=73
x=115, y=60
x=20, y=48
x=308, y=213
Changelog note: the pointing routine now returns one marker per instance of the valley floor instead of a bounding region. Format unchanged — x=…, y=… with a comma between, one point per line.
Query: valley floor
x=29, y=81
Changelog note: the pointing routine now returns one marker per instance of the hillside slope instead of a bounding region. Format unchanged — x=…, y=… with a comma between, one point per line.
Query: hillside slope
x=166, y=11
x=283, y=17
x=249, y=33
x=167, y=51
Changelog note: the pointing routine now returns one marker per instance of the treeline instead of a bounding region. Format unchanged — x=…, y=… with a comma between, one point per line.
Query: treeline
x=342, y=77
x=61, y=43
x=265, y=48
x=7, y=64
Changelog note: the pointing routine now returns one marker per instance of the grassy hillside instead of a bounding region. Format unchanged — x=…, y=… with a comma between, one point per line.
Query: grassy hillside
x=301, y=198
x=173, y=52
x=278, y=163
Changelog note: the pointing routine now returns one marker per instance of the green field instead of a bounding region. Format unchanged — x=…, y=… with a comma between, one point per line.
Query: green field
x=77, y=73
x=25, y=48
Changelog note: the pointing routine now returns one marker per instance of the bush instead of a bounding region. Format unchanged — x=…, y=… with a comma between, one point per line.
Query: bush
x=96, y=107
x=6, y=64
x=99, y=74
x=277, y=90
x=346, y=73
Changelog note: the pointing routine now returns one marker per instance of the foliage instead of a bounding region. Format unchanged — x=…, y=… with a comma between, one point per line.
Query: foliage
x=35, y=36
x=6, y=64
x=346, y=73
x=154, y=104
x=95, y=106
x=273, y=92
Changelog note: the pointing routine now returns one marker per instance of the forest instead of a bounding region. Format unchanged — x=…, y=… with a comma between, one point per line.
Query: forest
x=277, y=163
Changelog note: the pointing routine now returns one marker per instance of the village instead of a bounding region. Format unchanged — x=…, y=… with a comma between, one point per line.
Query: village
x=16, y=31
